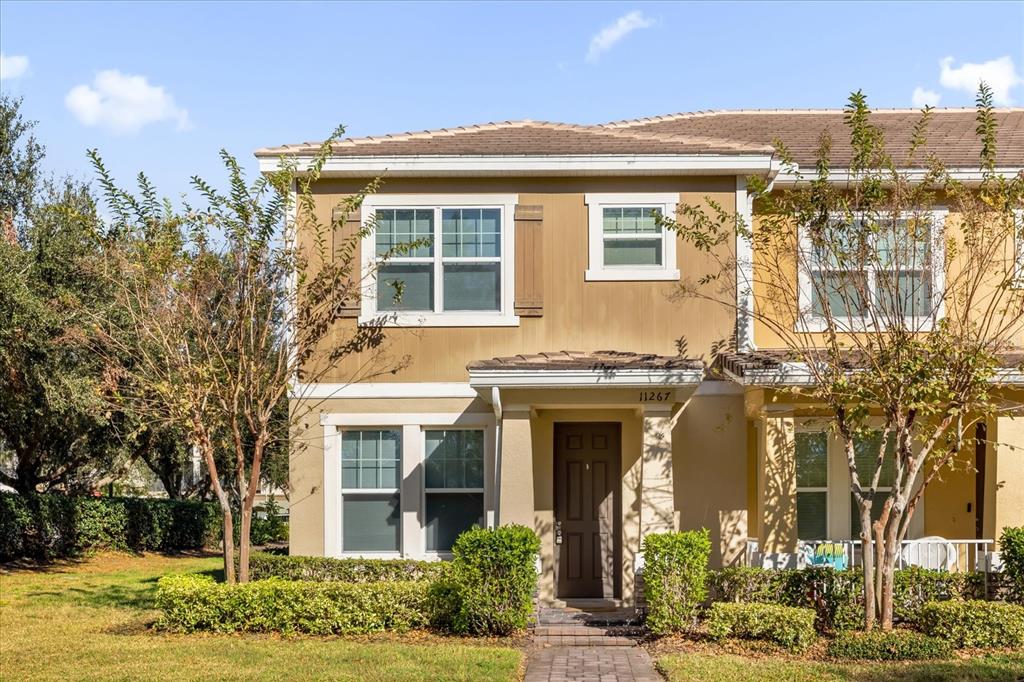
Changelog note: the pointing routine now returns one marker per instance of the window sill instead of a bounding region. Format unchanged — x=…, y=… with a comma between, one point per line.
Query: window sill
x=440, y=320
x=631, y=275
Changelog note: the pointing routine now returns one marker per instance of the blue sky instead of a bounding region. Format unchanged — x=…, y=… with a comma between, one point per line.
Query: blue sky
x=163, y=86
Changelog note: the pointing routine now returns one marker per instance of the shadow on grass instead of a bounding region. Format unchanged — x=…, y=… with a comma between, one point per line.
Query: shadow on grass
x=136, y=593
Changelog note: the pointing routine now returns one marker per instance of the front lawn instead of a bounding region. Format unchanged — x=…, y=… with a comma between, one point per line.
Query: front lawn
x=91, y=620
x=724, y=667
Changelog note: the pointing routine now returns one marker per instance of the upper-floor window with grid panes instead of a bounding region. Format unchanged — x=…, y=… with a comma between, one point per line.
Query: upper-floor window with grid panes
x=442, y=261
x=628, y=238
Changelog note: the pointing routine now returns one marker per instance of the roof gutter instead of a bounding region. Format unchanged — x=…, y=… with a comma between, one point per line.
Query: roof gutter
x=840, y=176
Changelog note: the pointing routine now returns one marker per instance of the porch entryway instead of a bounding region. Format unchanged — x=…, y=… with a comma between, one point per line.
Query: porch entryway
x=588, y=510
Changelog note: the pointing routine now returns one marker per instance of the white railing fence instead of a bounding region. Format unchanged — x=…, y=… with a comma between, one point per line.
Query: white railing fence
x=932, y=552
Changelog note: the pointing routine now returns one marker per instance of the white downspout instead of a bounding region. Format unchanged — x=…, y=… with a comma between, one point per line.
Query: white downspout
x=496, y=404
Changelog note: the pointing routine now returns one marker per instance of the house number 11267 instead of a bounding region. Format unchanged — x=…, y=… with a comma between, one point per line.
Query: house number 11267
x=655, y=396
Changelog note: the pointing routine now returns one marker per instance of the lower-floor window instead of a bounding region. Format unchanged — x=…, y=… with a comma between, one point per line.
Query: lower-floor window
x=811, y=485
x=454, y=485
x=371, y=501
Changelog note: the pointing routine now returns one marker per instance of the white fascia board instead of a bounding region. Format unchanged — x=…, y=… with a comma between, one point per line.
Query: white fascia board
x=797, y=374
x=383, y=390
x=622, y=378
x=597, y=164
x=840, y=176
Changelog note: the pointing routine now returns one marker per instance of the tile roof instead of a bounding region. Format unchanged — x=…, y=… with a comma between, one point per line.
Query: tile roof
x=526, y=138
x=951, y=137
x=601, y=360
x=951, y=132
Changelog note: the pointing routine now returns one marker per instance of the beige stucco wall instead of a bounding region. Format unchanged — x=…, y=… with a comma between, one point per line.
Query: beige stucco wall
x=578, y=315
x=710, y=473
x=1004, y=489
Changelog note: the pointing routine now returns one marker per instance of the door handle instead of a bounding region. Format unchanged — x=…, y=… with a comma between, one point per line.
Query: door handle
x=558, y=532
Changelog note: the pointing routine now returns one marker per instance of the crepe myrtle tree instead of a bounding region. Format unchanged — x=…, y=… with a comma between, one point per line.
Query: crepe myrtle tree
x=899, y=315
x=229, y=309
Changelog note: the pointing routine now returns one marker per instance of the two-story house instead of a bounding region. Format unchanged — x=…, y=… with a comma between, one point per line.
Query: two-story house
x=558, y=380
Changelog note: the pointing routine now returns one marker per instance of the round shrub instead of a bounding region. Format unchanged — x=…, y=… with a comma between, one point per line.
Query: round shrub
x=487, y=588
x=674, y=574
x=981, y=624
x=895, y=645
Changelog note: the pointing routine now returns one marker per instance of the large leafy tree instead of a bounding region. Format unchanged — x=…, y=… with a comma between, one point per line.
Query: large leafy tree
x=56, y=429
x=225, y=310
x=902, y=322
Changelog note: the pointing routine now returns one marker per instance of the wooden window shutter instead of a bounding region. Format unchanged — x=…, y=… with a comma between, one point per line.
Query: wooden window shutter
x=349, y=308
x=529, y=299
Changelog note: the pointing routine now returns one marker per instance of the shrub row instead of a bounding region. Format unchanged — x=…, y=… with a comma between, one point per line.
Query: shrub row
x=895, y=645
x=788, y=626
x=197, y=602
x=263, y=565
x=675, y=574
x=974, y=623
x=837, y=597
x=1011, y=546
x=49, y=526
x=487, y=588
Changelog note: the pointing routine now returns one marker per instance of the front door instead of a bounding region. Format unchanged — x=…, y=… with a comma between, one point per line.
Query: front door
x=587, y=510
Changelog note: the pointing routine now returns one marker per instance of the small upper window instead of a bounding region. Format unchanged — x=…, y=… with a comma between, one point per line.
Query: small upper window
x=627, y=241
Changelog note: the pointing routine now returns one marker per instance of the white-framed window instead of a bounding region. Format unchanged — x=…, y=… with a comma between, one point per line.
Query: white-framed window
x=371, y=476
x=453, y=485
x=626, y=242
x=825, y=506
x=812, y=485
x=460, y=274
x=899, y=275
x=405, y=484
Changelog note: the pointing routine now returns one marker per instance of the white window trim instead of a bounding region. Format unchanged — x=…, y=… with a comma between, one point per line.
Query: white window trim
x=839, y=520
x=807, y=321
x=357, y=492
x=597, y=272
x=502, y=318
x=488, y=447
x=412, y=502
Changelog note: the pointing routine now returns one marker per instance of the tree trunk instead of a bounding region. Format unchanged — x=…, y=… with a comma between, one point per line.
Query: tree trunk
x=243, y=542
x=206, y=449
x=868, y=557
x=229, y=541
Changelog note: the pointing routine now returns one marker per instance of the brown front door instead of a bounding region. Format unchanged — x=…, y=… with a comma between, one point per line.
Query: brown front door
x=587, y=509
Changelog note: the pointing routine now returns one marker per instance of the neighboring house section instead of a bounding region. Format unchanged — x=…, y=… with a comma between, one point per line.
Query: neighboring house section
x=557, y=374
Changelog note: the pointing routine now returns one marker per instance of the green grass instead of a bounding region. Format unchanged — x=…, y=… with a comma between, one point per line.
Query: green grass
x=713, y=667
x=91, y=621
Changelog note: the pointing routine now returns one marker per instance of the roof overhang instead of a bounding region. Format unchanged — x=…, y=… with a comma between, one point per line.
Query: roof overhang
x=506, y=165
x=788, y=374
x=842, y=176
x=584, y=378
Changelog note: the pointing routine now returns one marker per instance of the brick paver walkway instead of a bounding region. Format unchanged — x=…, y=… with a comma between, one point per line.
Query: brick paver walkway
x=591, y=664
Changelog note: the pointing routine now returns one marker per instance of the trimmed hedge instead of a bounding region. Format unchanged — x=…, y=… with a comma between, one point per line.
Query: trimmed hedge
x=895, y=645
x=980, y=624
x=788, y=626
x=675, y=571
x=50, y=526
x=487, y=588
x=1011, y=547
x=197, y=602
x=838, y=596
x=263, y=565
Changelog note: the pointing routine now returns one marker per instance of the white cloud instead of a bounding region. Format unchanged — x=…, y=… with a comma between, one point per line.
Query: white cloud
x=1000, y=75
x=608, y=36
x=123, y=103
x=923, y=97
x=12, y=66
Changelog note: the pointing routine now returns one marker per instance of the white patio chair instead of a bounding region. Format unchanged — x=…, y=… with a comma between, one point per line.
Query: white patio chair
x=936, y=553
